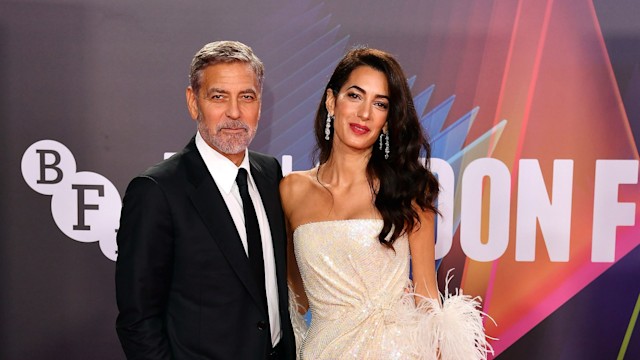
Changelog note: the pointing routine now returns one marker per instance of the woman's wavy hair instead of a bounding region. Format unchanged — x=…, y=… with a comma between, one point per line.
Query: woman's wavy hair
x=403, y=181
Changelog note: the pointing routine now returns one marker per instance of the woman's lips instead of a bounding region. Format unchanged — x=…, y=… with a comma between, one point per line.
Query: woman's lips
x=359, y=129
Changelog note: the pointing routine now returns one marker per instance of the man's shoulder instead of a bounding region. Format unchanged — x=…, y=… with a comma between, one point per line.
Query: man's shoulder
x=263, y=159
x=175, y=167
x=266, y=164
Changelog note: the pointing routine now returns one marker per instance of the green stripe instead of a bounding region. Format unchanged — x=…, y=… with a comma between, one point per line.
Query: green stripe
x=627, y=336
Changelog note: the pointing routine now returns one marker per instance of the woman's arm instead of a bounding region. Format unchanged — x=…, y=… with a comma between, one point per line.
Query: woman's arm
x=423, y=263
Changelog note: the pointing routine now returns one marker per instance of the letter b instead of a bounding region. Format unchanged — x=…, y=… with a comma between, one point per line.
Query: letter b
x=46, y=165
x=53, y=166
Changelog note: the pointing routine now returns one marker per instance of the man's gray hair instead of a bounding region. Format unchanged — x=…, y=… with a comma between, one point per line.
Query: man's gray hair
x=223, y=52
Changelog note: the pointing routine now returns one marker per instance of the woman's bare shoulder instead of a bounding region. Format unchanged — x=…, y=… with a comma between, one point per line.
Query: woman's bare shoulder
x=295, y=191
x=298, y=182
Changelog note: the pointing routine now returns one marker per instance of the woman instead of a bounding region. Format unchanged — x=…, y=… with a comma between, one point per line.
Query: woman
x=355, y=218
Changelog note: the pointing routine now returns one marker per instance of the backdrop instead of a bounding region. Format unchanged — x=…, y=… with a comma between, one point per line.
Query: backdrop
x=532, y=107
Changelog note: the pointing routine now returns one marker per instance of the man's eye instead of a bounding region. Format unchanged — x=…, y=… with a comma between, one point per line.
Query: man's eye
x=248, y=97
x=216, y=97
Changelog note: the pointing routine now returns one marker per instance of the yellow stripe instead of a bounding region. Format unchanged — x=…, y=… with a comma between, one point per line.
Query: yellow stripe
x=627, y=336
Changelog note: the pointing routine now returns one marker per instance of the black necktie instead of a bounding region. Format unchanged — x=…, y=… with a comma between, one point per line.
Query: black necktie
x=254, y=241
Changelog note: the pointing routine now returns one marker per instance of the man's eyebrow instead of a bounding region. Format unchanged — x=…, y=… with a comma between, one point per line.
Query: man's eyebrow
x=214, y=90
x=363, y=91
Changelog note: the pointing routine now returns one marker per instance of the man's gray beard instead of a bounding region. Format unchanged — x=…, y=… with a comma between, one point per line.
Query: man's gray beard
x=227, y=143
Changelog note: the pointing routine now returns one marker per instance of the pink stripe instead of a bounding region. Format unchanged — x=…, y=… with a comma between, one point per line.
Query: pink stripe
x=569, y=288
x=503, y=84
x=532, y=86
x=507, y=68
x=566, y=291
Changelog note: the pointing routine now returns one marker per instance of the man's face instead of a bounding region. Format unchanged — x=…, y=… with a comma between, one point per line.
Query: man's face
x=227, y=107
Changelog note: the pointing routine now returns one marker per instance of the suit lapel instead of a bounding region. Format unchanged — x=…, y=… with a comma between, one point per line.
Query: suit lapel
x=271, y=202
x=210, y=205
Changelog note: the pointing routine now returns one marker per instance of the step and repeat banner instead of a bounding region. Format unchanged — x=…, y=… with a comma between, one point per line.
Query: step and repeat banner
x=532, y=108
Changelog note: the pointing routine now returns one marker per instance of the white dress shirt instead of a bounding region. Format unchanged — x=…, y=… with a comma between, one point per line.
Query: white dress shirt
x=224, y=172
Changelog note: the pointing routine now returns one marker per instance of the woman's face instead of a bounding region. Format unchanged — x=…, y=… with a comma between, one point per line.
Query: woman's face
x=360, y=109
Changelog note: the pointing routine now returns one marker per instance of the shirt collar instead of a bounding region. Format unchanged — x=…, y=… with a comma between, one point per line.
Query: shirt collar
x=222, y=170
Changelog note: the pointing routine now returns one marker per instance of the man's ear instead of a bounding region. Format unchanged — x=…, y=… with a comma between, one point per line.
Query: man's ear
x=192, y=103
x=330, y=102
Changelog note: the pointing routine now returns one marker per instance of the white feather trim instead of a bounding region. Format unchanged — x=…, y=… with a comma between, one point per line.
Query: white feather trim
x=298, y=322
x=428, y=331
x=454, y=329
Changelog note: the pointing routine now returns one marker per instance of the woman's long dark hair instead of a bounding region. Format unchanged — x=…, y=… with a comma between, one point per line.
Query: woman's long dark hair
x=403, y=181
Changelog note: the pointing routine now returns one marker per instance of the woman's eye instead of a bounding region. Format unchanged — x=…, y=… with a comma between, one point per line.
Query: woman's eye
x=382, y=105
x=353, y=95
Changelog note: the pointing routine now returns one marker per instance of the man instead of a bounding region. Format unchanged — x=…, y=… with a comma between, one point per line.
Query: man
x=201, y=269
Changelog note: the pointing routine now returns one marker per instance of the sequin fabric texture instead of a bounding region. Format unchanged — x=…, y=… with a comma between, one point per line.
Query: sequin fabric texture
x=355, y=287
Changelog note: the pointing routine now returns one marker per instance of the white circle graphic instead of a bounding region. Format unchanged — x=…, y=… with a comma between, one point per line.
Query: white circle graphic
x=87, y=209
x=46, y=166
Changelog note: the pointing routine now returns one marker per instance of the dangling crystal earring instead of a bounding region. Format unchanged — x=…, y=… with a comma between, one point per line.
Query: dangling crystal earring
x=327, y=128
x=386, y=147
x=380, y=142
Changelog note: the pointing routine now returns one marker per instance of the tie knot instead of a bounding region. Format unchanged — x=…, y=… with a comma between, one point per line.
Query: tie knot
x=241, y=179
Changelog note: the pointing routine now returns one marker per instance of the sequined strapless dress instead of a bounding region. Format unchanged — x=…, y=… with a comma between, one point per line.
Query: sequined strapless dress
x=358, y=292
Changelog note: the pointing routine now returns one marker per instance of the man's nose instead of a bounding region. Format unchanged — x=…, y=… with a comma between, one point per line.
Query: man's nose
x=233, y=109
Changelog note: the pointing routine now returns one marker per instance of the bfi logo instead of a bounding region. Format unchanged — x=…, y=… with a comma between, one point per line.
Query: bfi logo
x=85, y=205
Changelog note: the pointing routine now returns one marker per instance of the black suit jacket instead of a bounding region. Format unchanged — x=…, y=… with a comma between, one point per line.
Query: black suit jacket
x=184, y=284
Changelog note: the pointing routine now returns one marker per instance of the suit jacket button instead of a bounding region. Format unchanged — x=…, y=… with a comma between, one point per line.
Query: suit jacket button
x=262, y=325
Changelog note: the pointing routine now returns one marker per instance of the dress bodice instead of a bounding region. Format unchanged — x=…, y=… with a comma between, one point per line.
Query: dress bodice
x=351, y=281
x=361, y=302
x=344, y=267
